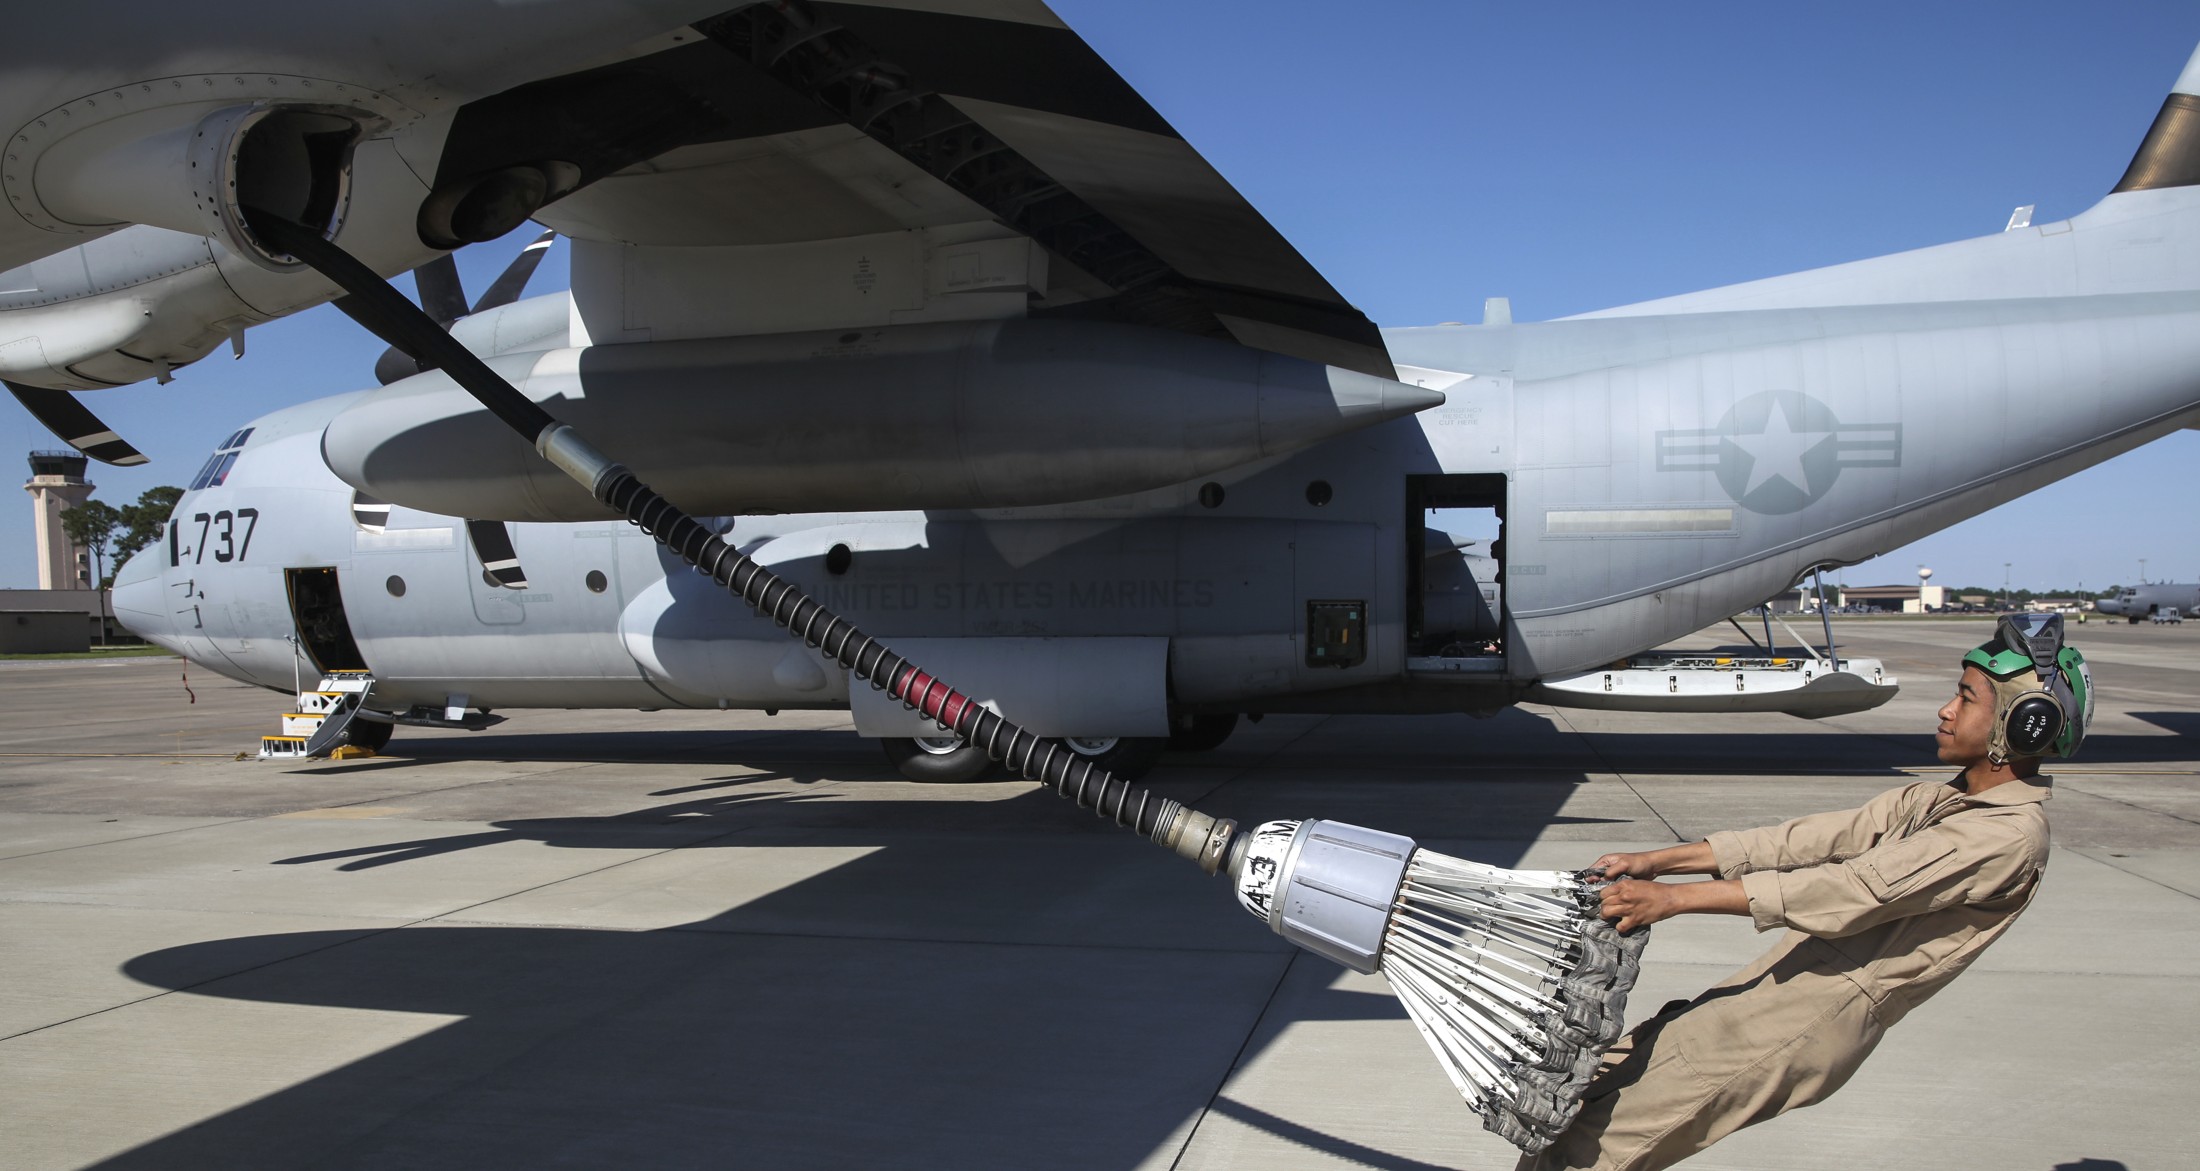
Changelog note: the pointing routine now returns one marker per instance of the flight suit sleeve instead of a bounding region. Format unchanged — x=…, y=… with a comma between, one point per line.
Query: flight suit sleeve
x=1973, y=860
x=1805, y=841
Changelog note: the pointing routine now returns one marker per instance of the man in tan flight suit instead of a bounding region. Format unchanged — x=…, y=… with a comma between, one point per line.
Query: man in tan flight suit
x=1883, y=906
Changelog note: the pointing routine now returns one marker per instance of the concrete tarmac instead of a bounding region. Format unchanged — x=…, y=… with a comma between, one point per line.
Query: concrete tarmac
x=726, y=939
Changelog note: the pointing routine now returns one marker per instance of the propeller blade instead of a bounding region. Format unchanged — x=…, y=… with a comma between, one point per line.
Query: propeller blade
x=441, y=294
x=76, y=425
x=513, y=280
x=394, y=363
x=493, y=545
x=443, y=297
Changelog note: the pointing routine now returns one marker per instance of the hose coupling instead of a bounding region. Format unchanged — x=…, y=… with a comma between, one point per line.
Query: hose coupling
x=1199, y=838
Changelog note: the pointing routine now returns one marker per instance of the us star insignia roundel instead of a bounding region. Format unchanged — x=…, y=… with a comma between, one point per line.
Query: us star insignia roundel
x=1779, y=451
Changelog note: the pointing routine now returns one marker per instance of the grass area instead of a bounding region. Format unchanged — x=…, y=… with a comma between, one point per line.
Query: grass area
x=112, y=652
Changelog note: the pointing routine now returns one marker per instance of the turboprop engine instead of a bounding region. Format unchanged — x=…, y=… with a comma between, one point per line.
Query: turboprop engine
x=951, y=415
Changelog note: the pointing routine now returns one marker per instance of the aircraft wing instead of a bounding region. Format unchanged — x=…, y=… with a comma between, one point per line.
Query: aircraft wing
x=773, y=126
x=753, y=168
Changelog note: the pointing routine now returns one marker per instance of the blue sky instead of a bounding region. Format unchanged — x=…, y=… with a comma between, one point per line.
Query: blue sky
x=1428, y=155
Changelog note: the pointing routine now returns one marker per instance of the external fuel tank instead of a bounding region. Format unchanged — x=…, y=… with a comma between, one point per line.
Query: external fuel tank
x=985, y=414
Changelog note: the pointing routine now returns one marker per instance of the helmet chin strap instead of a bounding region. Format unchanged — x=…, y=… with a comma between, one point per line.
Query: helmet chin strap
x=2006, y=692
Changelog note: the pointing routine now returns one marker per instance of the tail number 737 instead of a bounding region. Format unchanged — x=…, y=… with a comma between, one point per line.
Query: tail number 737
x=218, y=530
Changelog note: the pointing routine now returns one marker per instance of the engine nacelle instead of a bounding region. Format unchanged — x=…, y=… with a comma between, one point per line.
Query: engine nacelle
x=190, y=157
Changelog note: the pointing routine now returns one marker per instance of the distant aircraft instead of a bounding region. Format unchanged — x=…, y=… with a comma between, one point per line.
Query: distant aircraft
x=998, y=363
x=2136, y=602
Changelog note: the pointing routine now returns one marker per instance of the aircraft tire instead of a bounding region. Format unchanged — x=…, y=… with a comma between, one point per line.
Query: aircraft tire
x=372, y=735
x=935, y=763
x=2132, y=619
x=1202, y=732
x=1128, y=757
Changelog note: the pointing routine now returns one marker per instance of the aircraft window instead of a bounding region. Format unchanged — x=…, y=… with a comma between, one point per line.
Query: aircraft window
x=597, y=582
x=1319, y=493
x=395, y=585
x=1210, y=494
x=837, y=560
x=216, y=468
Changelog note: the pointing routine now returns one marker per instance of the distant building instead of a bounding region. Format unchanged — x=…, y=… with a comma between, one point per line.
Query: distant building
x=2058, y=605
x=57, y=484
x=36, y=621
x=1894, y=599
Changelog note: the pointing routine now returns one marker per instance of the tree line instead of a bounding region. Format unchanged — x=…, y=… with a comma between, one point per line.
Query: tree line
x=102, y=530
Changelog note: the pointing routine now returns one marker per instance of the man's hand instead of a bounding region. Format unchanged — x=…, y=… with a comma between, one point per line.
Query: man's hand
x=1633, y=902
x=1613, y=866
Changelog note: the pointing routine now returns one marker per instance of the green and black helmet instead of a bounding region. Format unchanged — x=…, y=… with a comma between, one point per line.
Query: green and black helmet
x=2043, y=691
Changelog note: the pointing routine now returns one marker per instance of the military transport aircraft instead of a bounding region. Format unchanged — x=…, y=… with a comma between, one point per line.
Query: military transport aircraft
x=2133, y=603
x=949, y=324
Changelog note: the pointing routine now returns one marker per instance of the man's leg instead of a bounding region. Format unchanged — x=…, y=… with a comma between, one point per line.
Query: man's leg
x=1701, y=1070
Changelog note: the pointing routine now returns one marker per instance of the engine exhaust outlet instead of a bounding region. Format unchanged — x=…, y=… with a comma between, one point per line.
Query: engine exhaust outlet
x=194, y=168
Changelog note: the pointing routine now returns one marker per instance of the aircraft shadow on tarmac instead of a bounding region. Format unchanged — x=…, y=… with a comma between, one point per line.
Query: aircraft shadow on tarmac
x=1000, y=998
x=749, y=811
x=2185, y=724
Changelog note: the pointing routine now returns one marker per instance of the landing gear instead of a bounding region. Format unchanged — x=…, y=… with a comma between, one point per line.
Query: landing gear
x=1202, y=732
x=935, y=759
x=1128, y=757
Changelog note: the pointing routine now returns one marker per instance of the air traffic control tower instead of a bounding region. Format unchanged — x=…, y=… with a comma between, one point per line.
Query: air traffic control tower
x=57, y=485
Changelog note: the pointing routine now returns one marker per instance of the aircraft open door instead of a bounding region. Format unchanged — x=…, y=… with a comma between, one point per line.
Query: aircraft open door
x=1455, y=573
x=317, y=604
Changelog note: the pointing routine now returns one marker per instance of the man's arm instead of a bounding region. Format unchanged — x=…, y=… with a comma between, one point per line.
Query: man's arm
x=1693, y=858
x=1971, y=860
x=1810, y=840
x=1804, y=841
x=1976, y=859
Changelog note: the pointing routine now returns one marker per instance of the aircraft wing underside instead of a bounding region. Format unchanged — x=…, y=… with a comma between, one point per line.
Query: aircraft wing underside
x=813, y=138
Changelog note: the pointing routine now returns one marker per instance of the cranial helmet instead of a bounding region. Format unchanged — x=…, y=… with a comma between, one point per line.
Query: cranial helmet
x=2043, y=692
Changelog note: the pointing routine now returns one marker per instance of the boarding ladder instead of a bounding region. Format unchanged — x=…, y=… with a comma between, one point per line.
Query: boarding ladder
x=323, y=714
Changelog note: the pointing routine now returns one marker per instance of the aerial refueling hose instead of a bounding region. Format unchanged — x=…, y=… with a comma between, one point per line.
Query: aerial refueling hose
x=383, y=310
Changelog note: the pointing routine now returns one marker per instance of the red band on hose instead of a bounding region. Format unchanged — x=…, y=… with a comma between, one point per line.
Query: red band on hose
x=932, y=698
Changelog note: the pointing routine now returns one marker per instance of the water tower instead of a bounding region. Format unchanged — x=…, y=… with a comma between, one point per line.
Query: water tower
x=1924, y=575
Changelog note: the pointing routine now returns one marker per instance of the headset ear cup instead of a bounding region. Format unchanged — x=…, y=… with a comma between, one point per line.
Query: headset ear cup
x=2033, y=724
